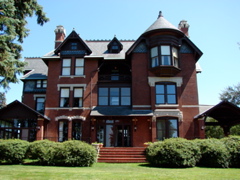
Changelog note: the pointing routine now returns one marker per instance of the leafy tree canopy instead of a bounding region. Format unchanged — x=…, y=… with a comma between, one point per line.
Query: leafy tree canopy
x=231, y=94
x=13, y=14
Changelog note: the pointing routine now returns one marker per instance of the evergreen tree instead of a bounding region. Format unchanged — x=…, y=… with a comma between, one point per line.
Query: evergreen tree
x=2, y=100
x=13, y=15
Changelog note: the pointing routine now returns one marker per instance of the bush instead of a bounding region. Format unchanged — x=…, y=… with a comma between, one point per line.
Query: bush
x=175, y=152
x=68, y=153
x=78, y=153
x=214, y=153
x=13, y=150
x=233, y=146
x=44, y=151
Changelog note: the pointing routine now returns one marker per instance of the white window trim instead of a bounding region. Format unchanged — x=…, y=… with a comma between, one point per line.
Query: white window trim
x=153, y=80
x=71, y=86
x=35, y=96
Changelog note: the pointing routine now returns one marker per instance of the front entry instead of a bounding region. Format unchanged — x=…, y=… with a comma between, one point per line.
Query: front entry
x=114, y=133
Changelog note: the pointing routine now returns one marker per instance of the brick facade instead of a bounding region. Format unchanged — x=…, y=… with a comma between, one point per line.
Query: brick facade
x=127, y=99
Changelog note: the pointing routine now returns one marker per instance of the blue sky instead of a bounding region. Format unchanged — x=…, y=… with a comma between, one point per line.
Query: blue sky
x=214, y=28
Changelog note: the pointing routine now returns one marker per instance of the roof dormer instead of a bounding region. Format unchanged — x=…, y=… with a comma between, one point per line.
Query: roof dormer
x=115, y=46
x=73, y=45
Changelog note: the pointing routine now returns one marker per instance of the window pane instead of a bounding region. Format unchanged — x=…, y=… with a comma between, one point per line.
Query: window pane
x=114, y=100
x=78, y=71
x=114, y=91
x=66, y=62
x=171, y=99
x=66, y=71
x=77, y=102
x=171, y=89
x=174, y=52
x=39, y=83
x=79, y=62
x=160, y=99
x=103, y=91
x=78, y=92
x=77, y=130
x=125, y=91
x=103, y=101
x=160, y=89
x=44, y=83
x=165, y=50
x=64, y=92
x=154, y=52
x=173, y=132
x=166, y=60
x=155, y=61
x=125, y=101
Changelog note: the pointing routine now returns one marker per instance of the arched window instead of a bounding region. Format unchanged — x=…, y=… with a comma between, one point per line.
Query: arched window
x=167, y=127
x=62, y=130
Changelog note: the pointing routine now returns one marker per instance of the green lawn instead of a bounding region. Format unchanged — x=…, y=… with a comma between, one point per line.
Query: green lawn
x=114, y=172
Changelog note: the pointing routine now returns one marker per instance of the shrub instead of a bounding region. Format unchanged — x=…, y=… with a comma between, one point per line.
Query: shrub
x=13, y=150
x=175, y=152
x=214, y=153
x=233, y=146
x=44, y=151
x=78, y=153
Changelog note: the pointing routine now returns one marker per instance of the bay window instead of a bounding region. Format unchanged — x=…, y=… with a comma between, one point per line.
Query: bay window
x=164, y=55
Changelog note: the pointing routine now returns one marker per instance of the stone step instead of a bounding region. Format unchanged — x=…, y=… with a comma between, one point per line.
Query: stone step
x=122, y=155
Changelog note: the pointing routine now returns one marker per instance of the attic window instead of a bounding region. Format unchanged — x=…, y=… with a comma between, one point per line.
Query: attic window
x=73, y=46
x=114, y=46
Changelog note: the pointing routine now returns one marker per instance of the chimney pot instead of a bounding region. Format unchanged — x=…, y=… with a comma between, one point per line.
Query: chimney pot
x=60, y=34
x=183, y=26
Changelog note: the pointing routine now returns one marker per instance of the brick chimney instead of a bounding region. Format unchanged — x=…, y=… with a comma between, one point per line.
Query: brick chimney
x=183, y=26
x=60, y=35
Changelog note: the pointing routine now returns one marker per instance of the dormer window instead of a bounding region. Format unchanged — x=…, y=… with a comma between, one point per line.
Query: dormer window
x=73, y=46
x=114, y=46
x=164, y=55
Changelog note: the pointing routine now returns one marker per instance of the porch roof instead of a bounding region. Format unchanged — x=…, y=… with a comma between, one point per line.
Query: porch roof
x=119, y=111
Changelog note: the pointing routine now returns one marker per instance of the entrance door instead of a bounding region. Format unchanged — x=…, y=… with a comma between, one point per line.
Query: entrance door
x=122, y=136
x=114, y=134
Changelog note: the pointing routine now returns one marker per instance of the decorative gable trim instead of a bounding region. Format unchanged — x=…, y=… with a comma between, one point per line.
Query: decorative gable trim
x=141, y=48
x=115, y=46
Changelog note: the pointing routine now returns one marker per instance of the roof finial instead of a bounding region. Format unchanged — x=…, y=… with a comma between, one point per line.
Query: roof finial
x=160, y=14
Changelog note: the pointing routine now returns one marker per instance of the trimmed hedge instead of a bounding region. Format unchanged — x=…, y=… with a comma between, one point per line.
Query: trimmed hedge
x=232, y=144
x=68, y=153
x=175, y=152
x=78, y=153
x=214, y=153
x=13, y=150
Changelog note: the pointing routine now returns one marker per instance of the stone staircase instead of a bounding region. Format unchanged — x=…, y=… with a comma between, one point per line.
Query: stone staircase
x=122, y=155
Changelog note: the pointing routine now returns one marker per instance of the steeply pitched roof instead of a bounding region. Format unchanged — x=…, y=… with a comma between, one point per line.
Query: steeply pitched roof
x=161, y=23
x=35, y=69
x=99, y=49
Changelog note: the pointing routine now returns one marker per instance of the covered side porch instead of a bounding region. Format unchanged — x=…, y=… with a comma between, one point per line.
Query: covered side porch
x=18, y=121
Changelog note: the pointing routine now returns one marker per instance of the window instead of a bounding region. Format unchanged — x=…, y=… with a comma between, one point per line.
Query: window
x=41, y=84
x=40, y=104
x=79, y=66
x=166, y=93
x=62, y=130
x=73, y=46
x=77, y=99
x=164, y=55
x=64, y=97
x=66, y=67
x=114, y=96
x=167, y=128
x=77, y=130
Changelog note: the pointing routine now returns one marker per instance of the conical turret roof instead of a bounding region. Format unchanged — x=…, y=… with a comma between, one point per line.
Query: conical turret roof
x=161, y=23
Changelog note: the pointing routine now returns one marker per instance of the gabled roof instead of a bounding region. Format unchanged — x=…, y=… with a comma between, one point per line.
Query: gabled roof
x=18, y=110
x=116, y=41
x=35, y=69
x=73, y=35
x=225, y=113
x=161, y=23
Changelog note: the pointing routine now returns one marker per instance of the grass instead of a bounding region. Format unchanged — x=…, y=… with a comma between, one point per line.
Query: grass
x=105, y=171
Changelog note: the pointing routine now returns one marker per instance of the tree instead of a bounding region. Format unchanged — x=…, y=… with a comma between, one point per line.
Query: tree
x=2, y=100
x=231, y=94
x=13, y=14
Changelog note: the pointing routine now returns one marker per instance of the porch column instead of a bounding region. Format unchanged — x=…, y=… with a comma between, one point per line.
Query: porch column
x=40, y=128
x=70, y=130
x=154, y=129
